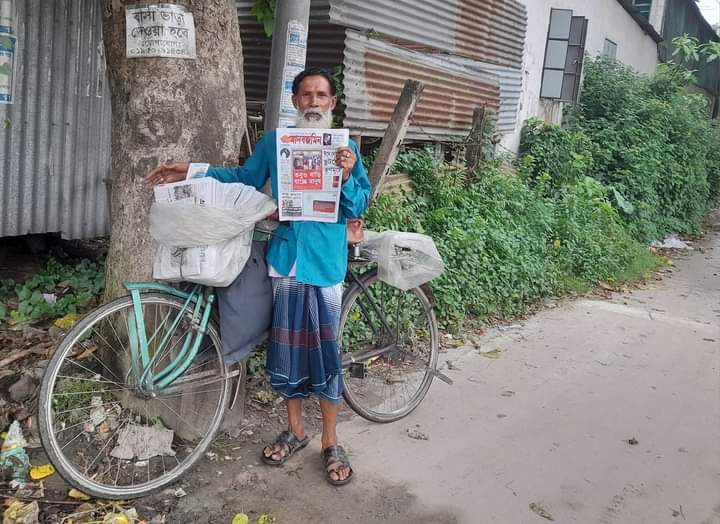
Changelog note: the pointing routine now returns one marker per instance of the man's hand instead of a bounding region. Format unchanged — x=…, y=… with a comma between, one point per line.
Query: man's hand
x=346, y=160
x=167, y=173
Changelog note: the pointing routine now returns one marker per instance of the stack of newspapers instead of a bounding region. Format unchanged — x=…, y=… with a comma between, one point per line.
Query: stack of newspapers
x=204, y=229
x=177, y=263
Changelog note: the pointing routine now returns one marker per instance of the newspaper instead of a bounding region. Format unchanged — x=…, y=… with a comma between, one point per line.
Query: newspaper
x=309, y=178
x=186, y=263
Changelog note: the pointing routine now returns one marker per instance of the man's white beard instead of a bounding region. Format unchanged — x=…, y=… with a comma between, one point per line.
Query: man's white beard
x=323, y=122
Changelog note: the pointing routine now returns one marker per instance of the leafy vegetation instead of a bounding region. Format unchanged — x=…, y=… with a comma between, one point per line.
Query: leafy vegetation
x=264, y=11
x=507, y=243
x=56, y=291
x=650, y=142
x=637, y=159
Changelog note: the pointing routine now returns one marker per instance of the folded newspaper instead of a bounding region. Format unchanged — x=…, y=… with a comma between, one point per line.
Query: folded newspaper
x=205, y=228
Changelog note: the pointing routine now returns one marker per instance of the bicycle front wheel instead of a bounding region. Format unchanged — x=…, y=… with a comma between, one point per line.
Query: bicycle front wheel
x=107, y=434
x=389, y=341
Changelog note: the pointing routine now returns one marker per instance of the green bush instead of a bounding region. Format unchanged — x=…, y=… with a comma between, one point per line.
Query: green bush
x=649, y=141
x=69, y=289
x=506, y=243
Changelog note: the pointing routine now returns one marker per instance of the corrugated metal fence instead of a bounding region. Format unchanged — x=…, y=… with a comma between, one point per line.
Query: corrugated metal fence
x=684, y=17
x=468, y=52
x=55, y=137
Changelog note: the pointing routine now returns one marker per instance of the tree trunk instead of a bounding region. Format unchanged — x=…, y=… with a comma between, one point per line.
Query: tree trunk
x=167, y=109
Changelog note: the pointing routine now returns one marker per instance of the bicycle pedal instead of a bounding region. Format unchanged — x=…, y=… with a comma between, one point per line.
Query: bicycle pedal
x=357, y=370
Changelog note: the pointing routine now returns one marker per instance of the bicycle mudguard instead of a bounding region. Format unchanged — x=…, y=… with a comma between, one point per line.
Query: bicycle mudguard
x=160, y=288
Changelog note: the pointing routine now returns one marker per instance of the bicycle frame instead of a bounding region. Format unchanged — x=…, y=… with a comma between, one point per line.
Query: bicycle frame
x=200, y=299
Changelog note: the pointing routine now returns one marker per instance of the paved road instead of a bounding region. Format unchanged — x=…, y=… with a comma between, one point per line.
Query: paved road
x=549, y=422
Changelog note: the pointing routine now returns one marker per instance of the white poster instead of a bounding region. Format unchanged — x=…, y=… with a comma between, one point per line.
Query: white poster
x=8, y=44
x=295, y=52
x=309, y=177
x=6, y=16
x=165, y=30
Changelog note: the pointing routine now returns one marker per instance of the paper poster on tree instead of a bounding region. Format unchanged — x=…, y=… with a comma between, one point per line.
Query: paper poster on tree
x=162, y=30
x=8, y=44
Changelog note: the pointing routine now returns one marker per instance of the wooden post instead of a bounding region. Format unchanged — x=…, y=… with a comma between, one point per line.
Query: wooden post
x=473, y=150
x=395, y=133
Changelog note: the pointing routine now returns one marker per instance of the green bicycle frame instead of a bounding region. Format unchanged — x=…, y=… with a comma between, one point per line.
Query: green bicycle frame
x=200, y=300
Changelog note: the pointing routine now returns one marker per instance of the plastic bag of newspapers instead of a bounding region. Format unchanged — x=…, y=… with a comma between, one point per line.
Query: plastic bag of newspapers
x=205, y=229
x=405, y=260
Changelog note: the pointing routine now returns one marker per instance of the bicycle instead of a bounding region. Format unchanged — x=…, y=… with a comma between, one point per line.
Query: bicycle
x=137, y=390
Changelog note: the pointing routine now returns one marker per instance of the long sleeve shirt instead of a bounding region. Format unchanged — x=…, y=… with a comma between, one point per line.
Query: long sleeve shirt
x=317, y=249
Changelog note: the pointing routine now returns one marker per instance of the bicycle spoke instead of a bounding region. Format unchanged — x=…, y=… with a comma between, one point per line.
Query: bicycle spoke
x=397, y=356
x=104, y=380
x=105, y=446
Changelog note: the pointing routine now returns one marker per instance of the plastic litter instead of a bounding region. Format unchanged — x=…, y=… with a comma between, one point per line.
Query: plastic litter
x=97, y=414
x=143, y=442
x=205, y=229
x=13, y=455
x=672, y=242
x=41, y=472
x=405, y=260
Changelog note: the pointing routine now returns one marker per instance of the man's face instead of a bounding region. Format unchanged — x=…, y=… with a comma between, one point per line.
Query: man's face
x=314, y=102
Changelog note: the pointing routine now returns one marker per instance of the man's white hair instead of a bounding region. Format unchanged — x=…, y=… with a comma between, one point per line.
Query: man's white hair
x=314, y=118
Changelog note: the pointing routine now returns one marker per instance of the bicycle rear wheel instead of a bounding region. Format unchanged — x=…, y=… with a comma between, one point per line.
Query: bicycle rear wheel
x=108, y=436
x=389, y=341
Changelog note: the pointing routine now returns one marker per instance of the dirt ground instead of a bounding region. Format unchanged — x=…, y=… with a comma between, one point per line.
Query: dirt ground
x=597, y=410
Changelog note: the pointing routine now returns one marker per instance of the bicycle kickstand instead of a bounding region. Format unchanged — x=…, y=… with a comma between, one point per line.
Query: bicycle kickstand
x=441, y=376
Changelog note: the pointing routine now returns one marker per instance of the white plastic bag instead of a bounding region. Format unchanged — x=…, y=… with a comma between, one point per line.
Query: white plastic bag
x=405, y=260
x=204, y=228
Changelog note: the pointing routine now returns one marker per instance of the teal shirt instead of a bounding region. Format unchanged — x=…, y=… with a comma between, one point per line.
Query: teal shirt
x=319, y=249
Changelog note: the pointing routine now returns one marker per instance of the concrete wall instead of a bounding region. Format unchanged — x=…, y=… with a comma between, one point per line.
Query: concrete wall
x=606, y=19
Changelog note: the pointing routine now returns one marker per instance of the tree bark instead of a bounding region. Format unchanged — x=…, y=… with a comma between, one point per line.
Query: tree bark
x=167, y=109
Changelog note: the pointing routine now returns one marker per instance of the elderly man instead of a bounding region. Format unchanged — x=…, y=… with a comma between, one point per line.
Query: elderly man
x=307, y=262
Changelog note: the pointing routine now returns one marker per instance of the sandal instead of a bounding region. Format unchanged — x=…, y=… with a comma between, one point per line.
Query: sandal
x=335, y=458
x=289, y=445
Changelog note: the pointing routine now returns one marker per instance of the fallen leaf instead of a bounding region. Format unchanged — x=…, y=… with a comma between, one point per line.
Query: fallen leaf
x=79, y=495
x=416, y=434
x=67, y=321
x=605, y=286
x=240, y=518
x=540, y=511
x=21, y=512
x=116, y=518
x=495, y=353
x=265, y=519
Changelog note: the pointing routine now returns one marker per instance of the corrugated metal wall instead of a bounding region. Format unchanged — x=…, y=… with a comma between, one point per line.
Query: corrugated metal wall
x=55, y=143
x=491, y=31
x=510, y=82
x=482, y=39
x=375, y=72
x=684, y=16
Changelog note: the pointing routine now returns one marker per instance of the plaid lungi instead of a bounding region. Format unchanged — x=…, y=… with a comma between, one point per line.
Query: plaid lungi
x=304, y=355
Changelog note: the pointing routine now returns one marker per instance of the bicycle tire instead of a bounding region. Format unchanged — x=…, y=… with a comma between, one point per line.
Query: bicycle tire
x=57, y=456
x=352, y=397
